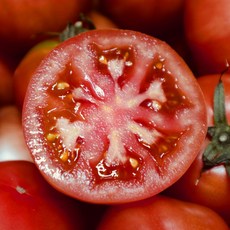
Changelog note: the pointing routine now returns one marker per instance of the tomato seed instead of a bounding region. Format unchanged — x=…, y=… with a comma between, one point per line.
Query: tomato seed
x=103, y=60
x=159, y=65
x=64, y=156
x=62, y=85
x=52, y=136
x=134, y=163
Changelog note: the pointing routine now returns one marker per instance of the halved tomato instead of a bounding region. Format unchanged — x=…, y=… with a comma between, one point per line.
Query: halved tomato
x=113, y=116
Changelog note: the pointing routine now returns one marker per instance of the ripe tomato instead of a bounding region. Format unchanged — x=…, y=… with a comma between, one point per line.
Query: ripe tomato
x=207, y=29
x=27, y=201
x=24, y=22
x=158, y=18
x=112, y=116
x=6, y=83
x=161, y=213
x=210, y=187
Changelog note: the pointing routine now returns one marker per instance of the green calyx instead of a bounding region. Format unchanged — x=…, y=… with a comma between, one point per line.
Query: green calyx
x=80, y=26
x=218, y=150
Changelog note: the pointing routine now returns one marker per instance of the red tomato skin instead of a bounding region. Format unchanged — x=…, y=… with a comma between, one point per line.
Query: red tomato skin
x=99, y=196
x=28, y=202
x=31, y=20
x=207, y=29
x=161, y=213
x=158, y=18
x=100, y=21
x=6, y=83
x=212, y=187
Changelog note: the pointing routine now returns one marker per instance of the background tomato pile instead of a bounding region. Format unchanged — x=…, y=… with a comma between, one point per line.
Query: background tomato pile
x=199, y=30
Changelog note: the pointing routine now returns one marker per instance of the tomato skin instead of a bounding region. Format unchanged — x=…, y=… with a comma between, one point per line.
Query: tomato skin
x=19, y=34
x=100, y=21
x=207, y=29
x=65, y=64
x=6, y=83
x=27, y=66
x=161, y=213
x=28, y=202
x=148, y=16
x=211, y=187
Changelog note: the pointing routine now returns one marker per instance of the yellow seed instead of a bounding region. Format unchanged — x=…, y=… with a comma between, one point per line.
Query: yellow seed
x=173, y=102
x=163, y=148
x=126, y=55
x=103, y=60
x=64, y=156
x=134, y=163
x=69, y=96
x=52, y=136
x=159, y=65
x=62, y=85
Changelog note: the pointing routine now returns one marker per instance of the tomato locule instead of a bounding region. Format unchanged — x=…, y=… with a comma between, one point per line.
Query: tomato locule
x=112, y=116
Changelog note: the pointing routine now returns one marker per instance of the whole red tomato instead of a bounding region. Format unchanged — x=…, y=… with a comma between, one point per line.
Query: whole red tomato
x=24, y=22
x=208, y=183
x=161, y=213
x=207, y=29
x=28, y=202
x=112, y=116
x=159, y=18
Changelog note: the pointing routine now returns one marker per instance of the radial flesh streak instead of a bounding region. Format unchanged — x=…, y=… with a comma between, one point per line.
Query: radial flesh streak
x=104, y=122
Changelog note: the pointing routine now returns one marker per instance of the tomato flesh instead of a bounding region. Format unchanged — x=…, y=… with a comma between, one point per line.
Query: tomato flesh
x=108, y=117
x=90, y=111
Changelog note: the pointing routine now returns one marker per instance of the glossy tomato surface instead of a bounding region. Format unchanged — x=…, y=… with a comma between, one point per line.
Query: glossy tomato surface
x=25, y=22
x=207, y=29
x=158, y=18
x=161, y=213
x=27, y=201
x=101, y=21
x=113, y=116
x=6, y=82
x=210, y=187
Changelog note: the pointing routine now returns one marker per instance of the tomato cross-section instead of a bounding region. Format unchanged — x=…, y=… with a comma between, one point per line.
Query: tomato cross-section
x=113, y=116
